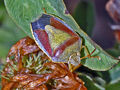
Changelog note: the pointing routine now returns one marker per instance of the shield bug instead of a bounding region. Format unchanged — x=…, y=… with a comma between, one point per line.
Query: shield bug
x=58, y=40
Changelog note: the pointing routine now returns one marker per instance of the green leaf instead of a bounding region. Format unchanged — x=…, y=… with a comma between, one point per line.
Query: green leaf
x=115, y=85
x=7, y=39
x=25, y=11
x=98, y=83
x=90, y=83
x=84, y=16
x=1, y=68
x=9, y=34
x=115, y=73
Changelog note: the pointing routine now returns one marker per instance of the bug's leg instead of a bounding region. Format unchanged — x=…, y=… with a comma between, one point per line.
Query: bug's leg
x=76, y=67
x=50, y=60
x=89, y=54
x=70, y=67
x=69, y=62
x=74, y=61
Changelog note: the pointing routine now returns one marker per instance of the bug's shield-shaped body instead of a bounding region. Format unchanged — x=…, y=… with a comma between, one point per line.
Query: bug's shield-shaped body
x=56, y=39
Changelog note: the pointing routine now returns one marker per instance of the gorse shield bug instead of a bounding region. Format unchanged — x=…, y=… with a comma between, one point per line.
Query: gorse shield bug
x=58, y=41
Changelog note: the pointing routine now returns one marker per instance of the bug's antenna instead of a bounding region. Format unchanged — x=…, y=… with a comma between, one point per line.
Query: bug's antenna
x=44, y=10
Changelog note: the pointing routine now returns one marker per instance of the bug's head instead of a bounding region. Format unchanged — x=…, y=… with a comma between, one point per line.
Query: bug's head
x=74, y=59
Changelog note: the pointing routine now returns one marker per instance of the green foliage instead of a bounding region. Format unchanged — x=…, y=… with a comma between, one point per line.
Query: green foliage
x=115, y=73
x=90, y=83
x=84, y=16
x=113, y=86
x=25, y=12
x=9, y=33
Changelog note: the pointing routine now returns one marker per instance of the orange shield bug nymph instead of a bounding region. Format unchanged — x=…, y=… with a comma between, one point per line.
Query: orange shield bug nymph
x=58, y=41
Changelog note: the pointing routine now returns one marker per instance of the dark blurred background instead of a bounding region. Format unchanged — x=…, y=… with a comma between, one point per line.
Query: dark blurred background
x=89, y=14
x=101, y=31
